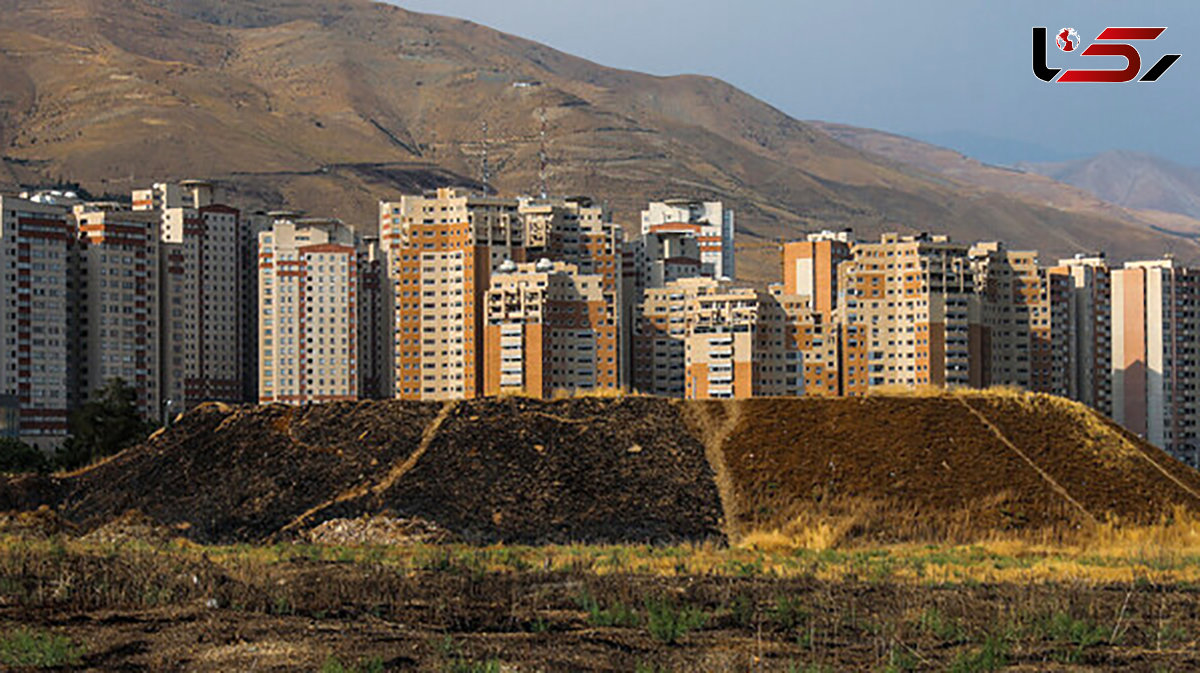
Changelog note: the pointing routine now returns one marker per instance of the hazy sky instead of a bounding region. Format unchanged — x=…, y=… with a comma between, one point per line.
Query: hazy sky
x=956, y=71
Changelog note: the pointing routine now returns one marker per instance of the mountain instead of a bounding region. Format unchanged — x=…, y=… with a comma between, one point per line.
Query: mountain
x=1130, y=179
x=1027, y=182
x=329, y=106
x=992, y=149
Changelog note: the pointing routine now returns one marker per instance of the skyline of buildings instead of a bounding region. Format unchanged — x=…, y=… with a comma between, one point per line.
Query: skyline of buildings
x=189, y=299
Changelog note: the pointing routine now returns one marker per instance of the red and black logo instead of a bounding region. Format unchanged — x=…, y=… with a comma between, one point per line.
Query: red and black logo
x=1115, y=43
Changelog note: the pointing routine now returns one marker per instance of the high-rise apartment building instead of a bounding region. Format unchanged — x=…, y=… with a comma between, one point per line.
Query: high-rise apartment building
x=544, y=323
x=1155, y=375
x=580, y=233
x=906, y=306
x=1090, y=329
x=700, y=340
x=375, y=336
x=34, y=255
x=658, y=258
x=115, y=292
x=797, y=350
x=440, y=250
x=1026, y=315
x=810, y=268
x=309, y=316
x=710, y=222
x=252, y=224
x=202, y=277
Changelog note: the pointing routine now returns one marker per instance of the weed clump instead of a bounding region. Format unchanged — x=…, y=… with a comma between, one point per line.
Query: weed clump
x=30, y=648
x=667, y=622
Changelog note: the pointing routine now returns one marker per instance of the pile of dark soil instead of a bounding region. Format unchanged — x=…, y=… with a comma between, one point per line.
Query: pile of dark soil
x=940, y=468
x=242, y=474
x=587, y=470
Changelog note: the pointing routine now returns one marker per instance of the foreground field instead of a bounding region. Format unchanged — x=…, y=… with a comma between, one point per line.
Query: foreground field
x=134, y=605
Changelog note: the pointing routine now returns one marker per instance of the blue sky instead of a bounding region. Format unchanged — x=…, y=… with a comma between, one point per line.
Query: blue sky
x=955, y=71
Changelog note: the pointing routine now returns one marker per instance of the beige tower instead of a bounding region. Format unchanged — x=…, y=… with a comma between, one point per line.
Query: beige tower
x=308, y=312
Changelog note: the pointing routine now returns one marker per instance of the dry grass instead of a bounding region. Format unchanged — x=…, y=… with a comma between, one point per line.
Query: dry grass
x=1167, y=553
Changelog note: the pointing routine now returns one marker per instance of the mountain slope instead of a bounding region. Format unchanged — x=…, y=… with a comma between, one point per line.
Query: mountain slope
x=329, y=106
x=1026, y=182
x=1130, y=179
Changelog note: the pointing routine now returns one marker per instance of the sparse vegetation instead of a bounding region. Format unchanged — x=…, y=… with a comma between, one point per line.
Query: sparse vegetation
x=33, y=648
x=369, y=665
x=616, y=614
x=479, y=611
x=668, y=622
x=1073, y=636
x=991, y=656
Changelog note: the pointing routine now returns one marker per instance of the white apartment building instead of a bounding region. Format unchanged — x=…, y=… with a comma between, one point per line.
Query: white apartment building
x=709, y=221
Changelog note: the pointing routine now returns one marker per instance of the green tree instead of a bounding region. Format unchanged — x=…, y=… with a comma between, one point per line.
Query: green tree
x=17, y=456
x=107, y=424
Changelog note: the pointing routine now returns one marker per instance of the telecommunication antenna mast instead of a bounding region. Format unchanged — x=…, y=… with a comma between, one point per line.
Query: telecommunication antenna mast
x=543, y=158
x=486, y=178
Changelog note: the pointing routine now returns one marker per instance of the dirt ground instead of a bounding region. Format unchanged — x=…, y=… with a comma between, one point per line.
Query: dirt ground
x=313, y=615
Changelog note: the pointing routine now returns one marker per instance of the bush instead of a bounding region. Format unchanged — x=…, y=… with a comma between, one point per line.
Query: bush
x=17, y=456
x=668, y=622
x=788, y=612
x=38, y=649
x=107, y=424
x=617, y=614
x=1076, y=635
x=942, y=627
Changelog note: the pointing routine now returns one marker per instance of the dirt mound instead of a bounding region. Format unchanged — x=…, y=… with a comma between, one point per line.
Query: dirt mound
x=952, y=467
x=827, y=471
x=236, y=474
x=591, y=470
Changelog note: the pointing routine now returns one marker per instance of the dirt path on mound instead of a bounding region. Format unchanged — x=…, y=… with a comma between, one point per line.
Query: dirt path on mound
x=388, y=480
x=1141, y=452
x=713, y=433
x=1058, y=488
